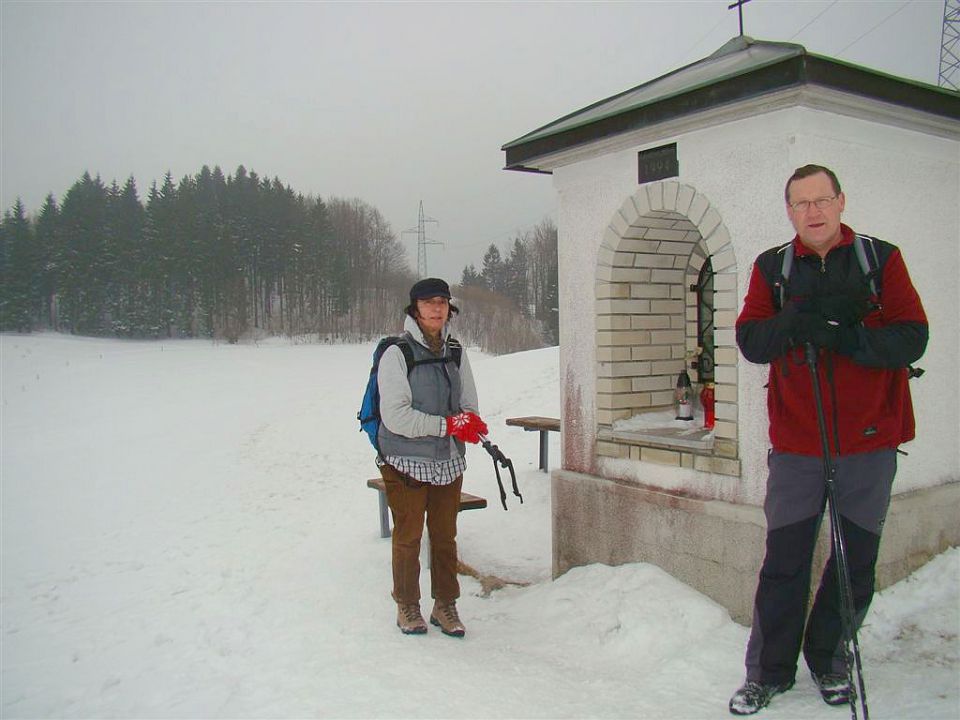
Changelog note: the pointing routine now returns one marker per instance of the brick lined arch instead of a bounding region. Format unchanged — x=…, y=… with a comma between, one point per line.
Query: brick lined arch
x=652, y=252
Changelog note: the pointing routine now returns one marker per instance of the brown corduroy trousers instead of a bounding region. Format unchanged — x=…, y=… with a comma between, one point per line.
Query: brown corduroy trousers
x=409, y=501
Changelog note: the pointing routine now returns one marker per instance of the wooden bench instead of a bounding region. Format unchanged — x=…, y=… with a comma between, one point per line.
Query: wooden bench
x=467, y=502
x=543, y=425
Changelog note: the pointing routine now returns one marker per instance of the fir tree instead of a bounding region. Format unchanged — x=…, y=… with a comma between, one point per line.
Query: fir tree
x=18, y=303
x=470, y=277
x=86, y=259
x=515, y=284
x=492, y=272
x=49, y=242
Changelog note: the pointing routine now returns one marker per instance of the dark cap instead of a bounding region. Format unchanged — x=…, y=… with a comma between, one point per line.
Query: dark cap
x=429, y=288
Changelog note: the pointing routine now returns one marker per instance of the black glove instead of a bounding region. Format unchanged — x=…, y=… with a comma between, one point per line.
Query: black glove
x=808, y=327
x=846, y=308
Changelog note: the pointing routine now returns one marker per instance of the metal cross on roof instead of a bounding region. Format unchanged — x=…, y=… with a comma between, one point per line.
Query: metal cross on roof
x=739, y=6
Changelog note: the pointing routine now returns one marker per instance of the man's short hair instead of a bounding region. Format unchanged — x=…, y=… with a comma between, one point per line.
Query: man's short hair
x=805, y=172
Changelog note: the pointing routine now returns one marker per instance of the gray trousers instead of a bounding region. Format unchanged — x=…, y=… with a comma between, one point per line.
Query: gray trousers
x=794, y=505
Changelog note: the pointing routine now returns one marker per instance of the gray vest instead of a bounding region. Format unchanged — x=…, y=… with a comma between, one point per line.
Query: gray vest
x=435, y=388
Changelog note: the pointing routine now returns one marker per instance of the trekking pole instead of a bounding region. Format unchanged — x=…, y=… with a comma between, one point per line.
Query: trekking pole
x=839, y=548
x=504, y=461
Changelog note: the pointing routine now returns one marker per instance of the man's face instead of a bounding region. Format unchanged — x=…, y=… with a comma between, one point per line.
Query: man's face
x=818, y=227
x=432, y=314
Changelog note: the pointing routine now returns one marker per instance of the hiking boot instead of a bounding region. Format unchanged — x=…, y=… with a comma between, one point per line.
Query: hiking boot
x=409, y=619
x=834, y=688
x=753, y=696
x=444, y=616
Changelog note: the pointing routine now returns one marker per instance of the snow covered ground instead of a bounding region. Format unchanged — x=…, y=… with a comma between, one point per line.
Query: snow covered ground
x=187, y=533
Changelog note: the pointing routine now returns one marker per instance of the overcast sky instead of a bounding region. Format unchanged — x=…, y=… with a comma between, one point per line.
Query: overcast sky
x=390, y=102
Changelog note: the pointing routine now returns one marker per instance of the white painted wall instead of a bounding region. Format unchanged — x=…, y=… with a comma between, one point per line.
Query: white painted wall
x=901, y=185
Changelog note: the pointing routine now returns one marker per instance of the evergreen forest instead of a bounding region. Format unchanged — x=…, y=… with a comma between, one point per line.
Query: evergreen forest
x=241, y=257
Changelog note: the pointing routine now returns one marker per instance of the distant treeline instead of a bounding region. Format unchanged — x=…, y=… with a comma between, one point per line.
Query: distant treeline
x=213, y=256
x=528, y=276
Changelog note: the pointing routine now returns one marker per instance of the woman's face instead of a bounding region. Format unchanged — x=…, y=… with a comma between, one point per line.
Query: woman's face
x=432, y=314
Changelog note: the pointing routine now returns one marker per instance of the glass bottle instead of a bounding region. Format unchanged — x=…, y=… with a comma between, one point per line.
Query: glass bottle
x=683, y=395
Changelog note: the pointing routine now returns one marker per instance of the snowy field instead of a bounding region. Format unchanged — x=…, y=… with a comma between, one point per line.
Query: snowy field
x=187, y=533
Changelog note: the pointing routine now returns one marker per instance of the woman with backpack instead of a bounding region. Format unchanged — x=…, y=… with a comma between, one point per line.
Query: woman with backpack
x=428, y=410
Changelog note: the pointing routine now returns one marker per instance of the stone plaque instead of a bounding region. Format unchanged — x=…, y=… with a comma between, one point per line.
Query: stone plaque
x=658, y=163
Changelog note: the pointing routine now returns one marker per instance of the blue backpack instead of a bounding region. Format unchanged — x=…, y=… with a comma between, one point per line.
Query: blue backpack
x=369, y=414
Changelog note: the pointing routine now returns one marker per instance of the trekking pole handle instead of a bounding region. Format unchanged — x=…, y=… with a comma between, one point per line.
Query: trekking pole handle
x=494, y=452
x=504, y=461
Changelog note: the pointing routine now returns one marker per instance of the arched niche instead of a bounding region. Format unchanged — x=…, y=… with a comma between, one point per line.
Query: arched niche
x=648, y=268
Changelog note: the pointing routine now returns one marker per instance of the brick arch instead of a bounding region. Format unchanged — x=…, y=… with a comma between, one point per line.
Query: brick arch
x=652, y=251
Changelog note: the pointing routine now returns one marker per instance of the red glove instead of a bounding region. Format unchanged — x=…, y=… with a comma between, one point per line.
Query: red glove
x=466, y=426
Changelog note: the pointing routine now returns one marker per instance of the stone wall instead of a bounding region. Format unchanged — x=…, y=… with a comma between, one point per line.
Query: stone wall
x=717, y=547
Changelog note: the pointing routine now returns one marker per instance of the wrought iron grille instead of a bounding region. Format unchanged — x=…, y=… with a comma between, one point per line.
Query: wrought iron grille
x=704, y=362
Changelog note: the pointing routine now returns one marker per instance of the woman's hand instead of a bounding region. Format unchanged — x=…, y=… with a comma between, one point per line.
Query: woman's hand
x=466, y=426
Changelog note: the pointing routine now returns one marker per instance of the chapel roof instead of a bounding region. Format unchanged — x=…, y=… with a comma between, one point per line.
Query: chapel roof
x=742, y=69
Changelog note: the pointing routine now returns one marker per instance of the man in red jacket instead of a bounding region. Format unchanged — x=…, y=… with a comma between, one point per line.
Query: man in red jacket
x=865, y=338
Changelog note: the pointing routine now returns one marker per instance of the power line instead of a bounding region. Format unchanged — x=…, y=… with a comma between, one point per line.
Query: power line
x=815, y=18
x=703, y=37
x=895, y=12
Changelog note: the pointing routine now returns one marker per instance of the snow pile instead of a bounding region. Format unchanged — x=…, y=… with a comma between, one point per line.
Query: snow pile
x=663, y=419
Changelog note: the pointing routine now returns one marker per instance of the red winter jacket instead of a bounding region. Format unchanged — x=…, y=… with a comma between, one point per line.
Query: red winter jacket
x=868, y=399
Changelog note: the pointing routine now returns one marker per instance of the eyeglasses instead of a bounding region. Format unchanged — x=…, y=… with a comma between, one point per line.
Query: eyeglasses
x=802, y=206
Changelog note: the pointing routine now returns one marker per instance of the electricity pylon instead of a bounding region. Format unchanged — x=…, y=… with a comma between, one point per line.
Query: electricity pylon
x=950, y=46
x=422, y=241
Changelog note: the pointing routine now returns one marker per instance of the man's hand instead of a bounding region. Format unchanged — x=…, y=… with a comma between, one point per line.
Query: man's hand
x=844, y=308
x=812, y=328
x=466, y=426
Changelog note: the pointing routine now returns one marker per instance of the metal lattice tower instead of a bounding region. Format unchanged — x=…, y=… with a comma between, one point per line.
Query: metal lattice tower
x=950, y=46
x=422, y=241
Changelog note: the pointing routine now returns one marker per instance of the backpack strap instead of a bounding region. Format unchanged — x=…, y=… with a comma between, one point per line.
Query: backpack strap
x=786, y=265
x=869, y=259
x=866, y=250
x=456, y=352
x=456, y=349
x=864, y=247
x=407, y=351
